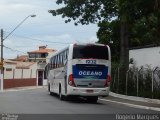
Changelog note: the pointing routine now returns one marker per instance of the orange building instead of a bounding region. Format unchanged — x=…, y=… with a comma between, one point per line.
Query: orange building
x=41, y=56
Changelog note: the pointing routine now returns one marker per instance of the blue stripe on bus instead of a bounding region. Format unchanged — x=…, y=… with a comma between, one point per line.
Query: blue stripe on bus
x=90, y=73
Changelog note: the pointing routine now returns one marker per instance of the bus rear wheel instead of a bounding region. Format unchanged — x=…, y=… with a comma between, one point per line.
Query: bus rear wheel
x=61, y=97
x=48, y=87
x=49, y=90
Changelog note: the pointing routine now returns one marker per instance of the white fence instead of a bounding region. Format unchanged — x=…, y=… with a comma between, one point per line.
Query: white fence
x=19, y=73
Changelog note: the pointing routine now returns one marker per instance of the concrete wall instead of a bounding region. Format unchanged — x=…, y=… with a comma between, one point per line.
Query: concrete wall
x=19, y=73
x=9, y=74
x=14, y=77
x=146, y=56
x=45, y=82
x=34, y=70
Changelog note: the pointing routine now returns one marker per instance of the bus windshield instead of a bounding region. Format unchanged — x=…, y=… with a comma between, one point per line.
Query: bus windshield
x=90, y=51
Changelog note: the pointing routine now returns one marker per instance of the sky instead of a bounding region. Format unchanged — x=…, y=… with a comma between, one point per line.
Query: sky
x=44, y=29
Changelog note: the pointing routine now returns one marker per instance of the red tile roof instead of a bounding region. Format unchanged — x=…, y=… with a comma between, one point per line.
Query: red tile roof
x=10, y=62
x=19, y=64
x=42, y=51
x=24, y=65
x=22, y=58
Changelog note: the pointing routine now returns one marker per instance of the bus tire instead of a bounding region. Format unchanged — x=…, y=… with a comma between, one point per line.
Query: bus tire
x=51, y=93
x=92, y=99
x=48, y=87
x=61, y=97
x=49, y=90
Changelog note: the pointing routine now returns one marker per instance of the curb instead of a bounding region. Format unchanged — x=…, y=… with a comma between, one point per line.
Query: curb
x=133, y=98
x=139, y=99
x=22, y=89
x=133, y=105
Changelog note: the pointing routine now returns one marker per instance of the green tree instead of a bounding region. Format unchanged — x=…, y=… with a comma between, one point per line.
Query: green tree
x=109, y=31
x=97, y=11
x=86, y=11
x=126, y=22
x=145, y=23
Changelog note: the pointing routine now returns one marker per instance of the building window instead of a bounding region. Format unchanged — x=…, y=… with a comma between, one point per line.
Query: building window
x=32, y=55
x=44, y=55
x=8, y=69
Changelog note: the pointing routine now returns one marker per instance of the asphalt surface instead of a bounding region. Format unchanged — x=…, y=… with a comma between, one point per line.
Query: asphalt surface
x=38, y=101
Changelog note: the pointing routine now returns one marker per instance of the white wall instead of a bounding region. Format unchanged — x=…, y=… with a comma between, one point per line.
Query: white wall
x=26, y=73
x=45, y=82
x=9, y=74
x=34, y=70
x=18, y=72
x=146, y=56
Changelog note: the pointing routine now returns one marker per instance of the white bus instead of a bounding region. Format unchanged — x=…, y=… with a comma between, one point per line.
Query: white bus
x=80, y=70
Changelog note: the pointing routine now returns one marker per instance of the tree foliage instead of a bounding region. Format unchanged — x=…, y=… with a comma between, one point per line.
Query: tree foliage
x=109, y=32
x=91, y=11
x=145, y=23
x=143, y=20
x=122, y=21
x=86, y=11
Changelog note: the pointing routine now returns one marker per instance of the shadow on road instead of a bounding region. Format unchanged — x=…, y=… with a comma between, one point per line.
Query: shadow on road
x=76, y=99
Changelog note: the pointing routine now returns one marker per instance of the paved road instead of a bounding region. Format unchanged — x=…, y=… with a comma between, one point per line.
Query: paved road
x=38, y=101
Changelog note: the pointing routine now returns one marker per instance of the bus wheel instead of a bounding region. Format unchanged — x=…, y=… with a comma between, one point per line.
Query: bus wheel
x=48, y=87
x=92, y=99
x=51, y=93
x=61, y=97
x=49, y=90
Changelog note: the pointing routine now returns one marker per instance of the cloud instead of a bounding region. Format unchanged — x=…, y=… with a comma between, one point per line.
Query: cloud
x=93, y=39
x=44, y=27
x=18, y=46
x=56, y=42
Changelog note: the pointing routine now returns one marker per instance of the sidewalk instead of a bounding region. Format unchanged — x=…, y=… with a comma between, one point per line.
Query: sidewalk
x=137, y=102
x=22, y=88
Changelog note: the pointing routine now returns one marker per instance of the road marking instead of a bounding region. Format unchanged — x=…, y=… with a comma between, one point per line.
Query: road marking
x=133, y=105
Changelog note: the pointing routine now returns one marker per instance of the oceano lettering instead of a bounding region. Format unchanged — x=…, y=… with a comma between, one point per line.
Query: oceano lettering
x=90, y=73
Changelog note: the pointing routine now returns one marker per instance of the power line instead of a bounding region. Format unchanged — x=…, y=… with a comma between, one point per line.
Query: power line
x=35, y=39
x=13, y=49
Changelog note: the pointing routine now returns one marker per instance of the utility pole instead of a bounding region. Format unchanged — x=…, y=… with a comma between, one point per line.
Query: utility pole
x=1, y=65
x=2, y=40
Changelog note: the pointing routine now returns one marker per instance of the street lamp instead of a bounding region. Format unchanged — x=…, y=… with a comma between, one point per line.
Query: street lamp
x=2, y=39
x=19, y=25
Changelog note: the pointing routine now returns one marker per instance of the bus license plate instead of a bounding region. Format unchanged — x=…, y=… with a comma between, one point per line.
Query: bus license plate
x=89, y=91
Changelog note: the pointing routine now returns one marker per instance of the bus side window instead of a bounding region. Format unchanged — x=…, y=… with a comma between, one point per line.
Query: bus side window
x=53, y=63
x=62, y=59
x=59, y=60
x=66, y=54
x=56, y=62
